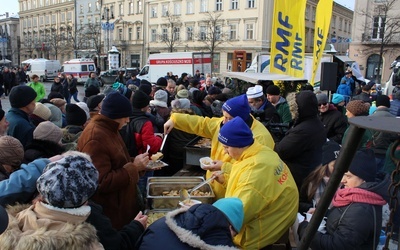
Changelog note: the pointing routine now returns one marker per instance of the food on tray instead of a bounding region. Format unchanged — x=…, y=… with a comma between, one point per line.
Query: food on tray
x=155, y=164
x=194, y=193
x=203, y=143
x=188, y=203
x=206, y=161
x=152, y=217
x=157, y=156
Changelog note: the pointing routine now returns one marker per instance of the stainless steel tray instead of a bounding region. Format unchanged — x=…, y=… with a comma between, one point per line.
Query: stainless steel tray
x=158, y=201
x=176, y=179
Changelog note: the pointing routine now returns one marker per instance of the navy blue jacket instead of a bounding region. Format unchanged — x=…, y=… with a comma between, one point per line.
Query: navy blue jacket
x=20, y=126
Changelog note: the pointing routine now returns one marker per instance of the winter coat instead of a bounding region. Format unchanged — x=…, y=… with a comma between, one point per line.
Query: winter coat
x=209, y=128
x=366, y=139
x=395, y=107
x=144, y=133
x=72, y=86
x=65, y=91
x=301, y=148
x=20, y=126
x=282, y=107
x=266, y=114
x=335, y=123
x=353, y=226
x=39, y=89
x=269, y=195
x=382, y=140
x=42, y=149
x=21, y=184
x=118, y=177
x=57, y=87
x=363, y=97
x=111, y=239
x=344, y=89
x=201, y=226
x=92, y=82
x=42, y=226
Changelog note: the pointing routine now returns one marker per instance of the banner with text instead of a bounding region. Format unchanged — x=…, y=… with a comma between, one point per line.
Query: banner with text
x=288, y=37
x=321, y=30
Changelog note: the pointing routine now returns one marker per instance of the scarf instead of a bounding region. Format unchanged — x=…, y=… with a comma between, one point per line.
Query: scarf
x=345, y=196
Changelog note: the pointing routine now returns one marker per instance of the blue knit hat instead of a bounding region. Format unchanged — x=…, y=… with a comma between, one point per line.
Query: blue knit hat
x=337, y=98
x=233, y=210
x=236, y=133
x=238, y=106
x=116, y=106
x=363, y=165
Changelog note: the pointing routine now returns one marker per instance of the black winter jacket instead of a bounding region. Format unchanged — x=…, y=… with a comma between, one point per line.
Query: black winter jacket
x=301, y=148
x=41, y=149
x=335, y=124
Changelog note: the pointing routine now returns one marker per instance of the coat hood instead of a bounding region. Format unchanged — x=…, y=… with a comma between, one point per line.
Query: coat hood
x=380, y=186
x=303, y=105
x=201, y=226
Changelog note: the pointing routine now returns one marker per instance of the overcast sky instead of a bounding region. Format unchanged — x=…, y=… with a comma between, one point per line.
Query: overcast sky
x=12, y=5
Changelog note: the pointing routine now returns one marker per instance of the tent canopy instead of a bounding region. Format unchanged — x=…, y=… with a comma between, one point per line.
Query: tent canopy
x=5, y=61
x=254, y=77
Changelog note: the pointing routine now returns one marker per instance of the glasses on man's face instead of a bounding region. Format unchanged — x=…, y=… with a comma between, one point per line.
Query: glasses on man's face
x=322, y=104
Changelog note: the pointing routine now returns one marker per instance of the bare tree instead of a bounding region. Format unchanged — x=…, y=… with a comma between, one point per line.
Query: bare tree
x=170, y=33
x=211, y=33
x=56, y=41
x=385, y=27
x=90, y=37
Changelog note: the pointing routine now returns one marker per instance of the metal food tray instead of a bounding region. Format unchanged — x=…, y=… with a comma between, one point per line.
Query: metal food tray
x=194, y=153
x=158, y=201
x=176, y=179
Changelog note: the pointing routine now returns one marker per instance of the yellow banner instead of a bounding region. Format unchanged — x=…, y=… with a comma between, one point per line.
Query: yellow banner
x=288, y=37
x=322, y=24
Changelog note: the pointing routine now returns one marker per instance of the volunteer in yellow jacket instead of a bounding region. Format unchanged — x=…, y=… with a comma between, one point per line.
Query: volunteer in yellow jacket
x=209, y=128
x=264, y=184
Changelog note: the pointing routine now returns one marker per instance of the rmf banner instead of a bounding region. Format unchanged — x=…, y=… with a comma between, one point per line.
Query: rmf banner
x=322, y=23
x=288, y=37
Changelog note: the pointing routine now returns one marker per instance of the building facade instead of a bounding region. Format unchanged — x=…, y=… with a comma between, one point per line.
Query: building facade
x=375, y=33
x=9, y=39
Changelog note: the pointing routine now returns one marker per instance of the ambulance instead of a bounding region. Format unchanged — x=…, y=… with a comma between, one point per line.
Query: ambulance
x=158, y=65
x=79, y=68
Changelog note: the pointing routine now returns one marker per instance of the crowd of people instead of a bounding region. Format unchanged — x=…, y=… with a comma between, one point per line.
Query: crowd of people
x=73, y=173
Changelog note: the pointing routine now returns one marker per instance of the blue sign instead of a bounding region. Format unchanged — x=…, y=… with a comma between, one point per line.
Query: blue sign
x=107, y=26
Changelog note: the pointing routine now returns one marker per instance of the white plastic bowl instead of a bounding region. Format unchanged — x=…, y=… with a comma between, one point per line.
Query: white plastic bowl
x=205, y=162
x=189, y=203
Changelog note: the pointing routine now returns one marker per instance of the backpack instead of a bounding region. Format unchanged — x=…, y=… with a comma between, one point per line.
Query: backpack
x=128, y=134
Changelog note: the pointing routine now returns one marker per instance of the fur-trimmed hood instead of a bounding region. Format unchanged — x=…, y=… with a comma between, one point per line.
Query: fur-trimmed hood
x=35, y=227
x=303, y=105
x=201, y=226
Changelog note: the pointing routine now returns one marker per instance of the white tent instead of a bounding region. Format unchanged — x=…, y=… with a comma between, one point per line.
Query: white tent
x=5, y=61
x=254, y=77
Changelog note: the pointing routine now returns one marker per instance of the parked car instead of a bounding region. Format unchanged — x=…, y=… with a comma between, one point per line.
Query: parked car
x=108, y=77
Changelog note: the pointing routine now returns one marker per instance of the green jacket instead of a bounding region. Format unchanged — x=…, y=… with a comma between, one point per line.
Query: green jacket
x=39, y=89
x=283, y=110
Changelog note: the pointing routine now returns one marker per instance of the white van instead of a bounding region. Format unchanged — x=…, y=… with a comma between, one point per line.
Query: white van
x=45, y=69
x=79, y=68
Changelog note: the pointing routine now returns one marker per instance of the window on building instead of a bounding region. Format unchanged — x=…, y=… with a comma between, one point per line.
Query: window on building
x=153, y=11
x=218, y=5
x=120, y=32
x=135, y=61
x=234, y=4
x=89, y=7
x=69, y=16
x=177, y=34
x=34, y=4
x=62, y=17
x=112, y=11
x=232, y=31
x=53, y=19
x=131, y=8
x=249, y=31
x=121, y=9
x=153, y=35
x=349, y=27
x=35, y=21
x=164, y=35
x=333, y=22
x=340, y=23
x=203, y=33
x=177, y=9
x=378, y=29
x=307, y=13
x=41, y=19
x=29, y=23
x=203, y=5
x=81, y=9
x=216, y=63
x=189, y=7
x=97, y=5
x=218, y=31
x=251, y=3
x=47, y=19
x=138, y=32
x=164, y=9
x=189, y=33
x=130, y=34
x=313, y=14
x=139, y=6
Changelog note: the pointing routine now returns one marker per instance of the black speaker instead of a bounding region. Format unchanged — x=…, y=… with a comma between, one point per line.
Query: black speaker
x=329, y=76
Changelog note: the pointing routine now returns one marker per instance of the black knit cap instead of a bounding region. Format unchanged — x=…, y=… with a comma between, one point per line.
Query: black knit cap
x=116, y=106
x=145, y=87
x=75, y=115
x=1, y=114
x=383, y=100
x=93, y=101
x=273, y=90
x=140, y=99
x=162, y=82
x=21, y=96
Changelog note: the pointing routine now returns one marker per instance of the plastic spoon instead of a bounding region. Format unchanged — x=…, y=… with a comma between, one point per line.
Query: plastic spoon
x=148, y=148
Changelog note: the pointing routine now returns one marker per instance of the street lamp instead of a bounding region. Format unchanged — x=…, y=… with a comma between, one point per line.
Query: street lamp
x=107, y=26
